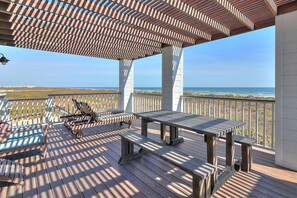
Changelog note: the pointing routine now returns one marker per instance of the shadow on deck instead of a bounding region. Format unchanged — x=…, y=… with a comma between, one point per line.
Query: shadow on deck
x=89, y=167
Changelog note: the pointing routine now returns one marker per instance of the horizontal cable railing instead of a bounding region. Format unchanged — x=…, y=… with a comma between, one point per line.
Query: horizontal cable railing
x=147, y=102
x=257, y=115
x=62, y=103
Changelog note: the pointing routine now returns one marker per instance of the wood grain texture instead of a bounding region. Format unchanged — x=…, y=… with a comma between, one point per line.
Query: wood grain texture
x=89, y=166
x=117, y=29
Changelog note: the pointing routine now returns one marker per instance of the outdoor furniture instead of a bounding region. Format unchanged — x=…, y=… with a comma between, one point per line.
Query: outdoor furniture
x=201, y=171
x=11, y=171
x=89, y=118
x=20, y=139
x=211, y=128
x=246, y=151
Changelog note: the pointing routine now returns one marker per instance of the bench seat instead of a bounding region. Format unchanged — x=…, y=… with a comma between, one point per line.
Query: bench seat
x=200, y=170
x=11, y=171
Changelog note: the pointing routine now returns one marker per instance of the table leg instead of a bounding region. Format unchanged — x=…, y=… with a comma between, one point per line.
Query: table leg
x=230, y=149
x=144, y=123
x=163, y=131
x=212, y=157
x=174, y=139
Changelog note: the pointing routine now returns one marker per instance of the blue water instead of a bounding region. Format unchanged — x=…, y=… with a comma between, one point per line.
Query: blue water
x=241, y=91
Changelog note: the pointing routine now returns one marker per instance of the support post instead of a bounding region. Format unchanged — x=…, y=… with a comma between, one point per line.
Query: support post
x=126, y=85
x=285, y=90
x=172, y=78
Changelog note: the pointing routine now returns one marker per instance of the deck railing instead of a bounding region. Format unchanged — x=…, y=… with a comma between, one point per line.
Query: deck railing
x=24, y=111
x=33, y=111
x=258, y=115
x=146, y=102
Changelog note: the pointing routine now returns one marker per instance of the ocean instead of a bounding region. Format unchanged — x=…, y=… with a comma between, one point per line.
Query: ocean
x=240, y=91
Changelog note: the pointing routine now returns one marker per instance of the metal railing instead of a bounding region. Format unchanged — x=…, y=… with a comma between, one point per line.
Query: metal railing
x=146, y=102
x=257, y=115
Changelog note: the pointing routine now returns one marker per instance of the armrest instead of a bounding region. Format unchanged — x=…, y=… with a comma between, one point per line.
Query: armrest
x=5, y=130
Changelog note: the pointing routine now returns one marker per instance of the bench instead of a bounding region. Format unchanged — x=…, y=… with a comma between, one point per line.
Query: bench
x=246, y=152
x=201, y=171
x=11, y=171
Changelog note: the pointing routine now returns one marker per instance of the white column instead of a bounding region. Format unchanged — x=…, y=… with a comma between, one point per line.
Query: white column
x=126, y=85
x=172, y=78
x=286, y=90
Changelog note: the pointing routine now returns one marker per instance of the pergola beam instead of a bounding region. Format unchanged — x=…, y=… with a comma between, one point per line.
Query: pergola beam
x=197, y=15
x=51, y=48
x=236, y=13
x=272, y=6
x=156, y=30
x=48, y=29
x=153, y=13
x=62, y=22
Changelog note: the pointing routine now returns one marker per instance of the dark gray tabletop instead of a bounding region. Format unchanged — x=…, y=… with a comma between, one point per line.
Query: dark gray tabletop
x=198, y=123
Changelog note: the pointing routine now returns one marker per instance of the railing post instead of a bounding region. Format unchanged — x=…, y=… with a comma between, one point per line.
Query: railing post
x=48, y=115
x=4, y=111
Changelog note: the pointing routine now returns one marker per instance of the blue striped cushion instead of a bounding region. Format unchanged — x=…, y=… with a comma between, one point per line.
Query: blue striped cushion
x=23, y=140
x=25, y=134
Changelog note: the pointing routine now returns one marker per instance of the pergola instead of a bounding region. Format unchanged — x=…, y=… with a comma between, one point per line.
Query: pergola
x=126, y=30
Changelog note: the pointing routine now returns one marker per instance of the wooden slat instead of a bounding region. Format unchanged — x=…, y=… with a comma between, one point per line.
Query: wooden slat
x=129, y=29
x=234, y=11
x=99, y=151
x=197, y=15
x=151, y=12
x=183, y=161
x=272, y=6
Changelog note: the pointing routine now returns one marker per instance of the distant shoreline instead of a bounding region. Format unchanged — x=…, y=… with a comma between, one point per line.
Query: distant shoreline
x=227, y=92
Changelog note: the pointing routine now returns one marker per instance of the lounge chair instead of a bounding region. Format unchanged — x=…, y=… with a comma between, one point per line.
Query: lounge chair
x=18, y=140
x=89, y=118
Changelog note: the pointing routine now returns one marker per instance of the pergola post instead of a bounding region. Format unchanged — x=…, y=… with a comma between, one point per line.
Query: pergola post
x=172, y=78
x=286, y=90
x=126, y=85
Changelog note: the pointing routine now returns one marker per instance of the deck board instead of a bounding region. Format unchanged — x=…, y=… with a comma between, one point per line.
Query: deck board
x=88, y=167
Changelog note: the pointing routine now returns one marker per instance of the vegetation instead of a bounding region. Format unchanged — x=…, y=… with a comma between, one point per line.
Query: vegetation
x=43, y=92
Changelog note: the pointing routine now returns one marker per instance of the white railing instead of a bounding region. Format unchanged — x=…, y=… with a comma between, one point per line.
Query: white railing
x=25, y=111
x=33, y=111
x=59, y=104
x=146, y=102
x=258, y=115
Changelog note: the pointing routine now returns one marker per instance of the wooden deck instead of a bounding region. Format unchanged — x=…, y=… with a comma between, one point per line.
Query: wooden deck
x=89, y=167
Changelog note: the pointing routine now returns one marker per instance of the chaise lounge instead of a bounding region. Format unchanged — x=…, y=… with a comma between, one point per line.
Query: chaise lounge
x=89, y=118
x=17, y=140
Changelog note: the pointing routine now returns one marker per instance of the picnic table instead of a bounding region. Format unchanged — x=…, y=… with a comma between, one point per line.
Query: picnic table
x=212, y=128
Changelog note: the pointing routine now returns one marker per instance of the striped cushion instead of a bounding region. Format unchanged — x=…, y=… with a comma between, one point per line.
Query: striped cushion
x=23, y=139
x=117, y=117
x=25, y=134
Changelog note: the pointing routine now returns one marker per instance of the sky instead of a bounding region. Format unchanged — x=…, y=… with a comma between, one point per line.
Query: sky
x=245, y=60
